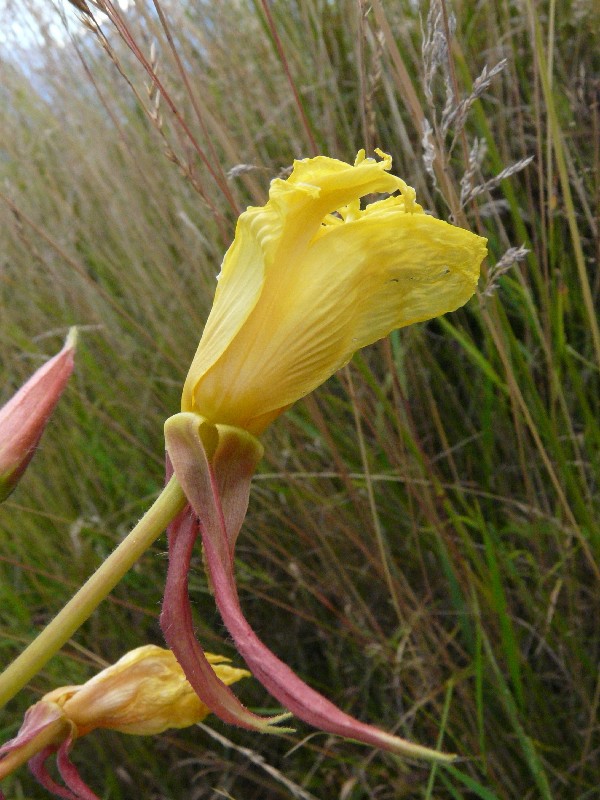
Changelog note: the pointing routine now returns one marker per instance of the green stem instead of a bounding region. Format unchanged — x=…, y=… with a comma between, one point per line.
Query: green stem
x=169, y=503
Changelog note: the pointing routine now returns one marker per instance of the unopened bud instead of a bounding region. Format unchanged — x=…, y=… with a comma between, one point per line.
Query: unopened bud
x=24, y=418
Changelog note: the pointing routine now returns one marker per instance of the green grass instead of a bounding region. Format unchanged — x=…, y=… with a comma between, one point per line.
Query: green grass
x=423, y=541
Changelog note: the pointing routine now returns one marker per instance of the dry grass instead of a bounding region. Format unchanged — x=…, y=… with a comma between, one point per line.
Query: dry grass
x=423, y=541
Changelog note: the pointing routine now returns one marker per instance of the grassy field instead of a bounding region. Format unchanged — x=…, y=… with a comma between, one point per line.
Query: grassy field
x=423, y=540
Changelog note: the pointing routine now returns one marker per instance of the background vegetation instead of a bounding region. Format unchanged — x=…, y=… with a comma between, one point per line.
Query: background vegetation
x=423, y=541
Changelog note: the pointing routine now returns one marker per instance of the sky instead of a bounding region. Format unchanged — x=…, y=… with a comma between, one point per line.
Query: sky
x=22, y=20
x=21, y=23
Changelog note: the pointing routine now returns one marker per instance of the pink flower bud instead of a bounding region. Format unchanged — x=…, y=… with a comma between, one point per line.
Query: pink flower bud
x=24, y=418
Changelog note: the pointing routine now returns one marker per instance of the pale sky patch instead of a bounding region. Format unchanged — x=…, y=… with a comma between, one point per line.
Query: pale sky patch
x=28, y=24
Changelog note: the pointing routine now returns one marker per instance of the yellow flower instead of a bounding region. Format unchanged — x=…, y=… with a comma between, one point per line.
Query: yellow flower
x=143, y=693
x=311, y=277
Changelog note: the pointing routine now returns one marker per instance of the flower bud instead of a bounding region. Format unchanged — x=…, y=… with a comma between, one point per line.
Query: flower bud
x=24, y=418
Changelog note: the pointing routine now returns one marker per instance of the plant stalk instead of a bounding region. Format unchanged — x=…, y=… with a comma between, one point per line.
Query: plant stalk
x=81, y=606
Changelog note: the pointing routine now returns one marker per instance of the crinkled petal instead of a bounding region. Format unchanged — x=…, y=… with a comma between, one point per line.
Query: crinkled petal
x=269, y=247
x=356, y=283
x=144, y=693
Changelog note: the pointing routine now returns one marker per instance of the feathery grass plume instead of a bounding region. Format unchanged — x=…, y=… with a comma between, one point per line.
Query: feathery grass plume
x=514, y=255
x=469, y=194
x=144, y=693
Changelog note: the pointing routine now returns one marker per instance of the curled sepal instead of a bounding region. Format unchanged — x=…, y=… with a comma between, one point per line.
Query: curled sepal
x=70, y=775
x=75, y=787
x=201, y=471
x=37, y=767
x=46, y=728
x=45, y=725
x=176, y=617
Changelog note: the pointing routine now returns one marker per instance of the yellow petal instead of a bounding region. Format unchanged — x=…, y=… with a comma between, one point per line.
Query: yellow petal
x=145, y=692
x=302, y=288
x=268, y=236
